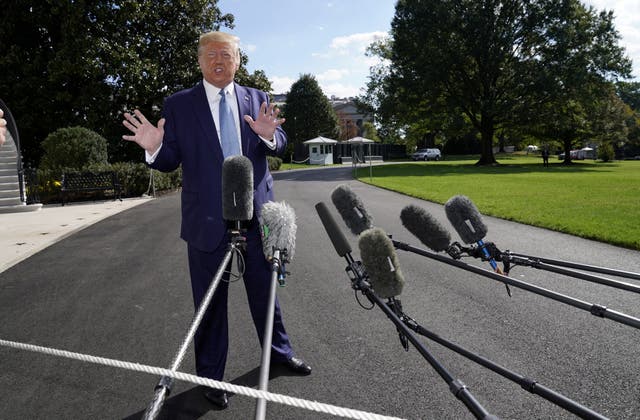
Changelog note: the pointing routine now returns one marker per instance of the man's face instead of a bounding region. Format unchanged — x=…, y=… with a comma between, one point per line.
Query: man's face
x=218, y=63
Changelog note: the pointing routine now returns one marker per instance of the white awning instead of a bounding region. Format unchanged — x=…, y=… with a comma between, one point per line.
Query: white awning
x=321, y=140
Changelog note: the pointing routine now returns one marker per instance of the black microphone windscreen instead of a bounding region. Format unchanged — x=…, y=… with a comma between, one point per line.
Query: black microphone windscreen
x=237, y=188
x=351, y=209
x=335, y=234
x=278, y=229
x=425, y=227
x=381, y=262
x=466, y=219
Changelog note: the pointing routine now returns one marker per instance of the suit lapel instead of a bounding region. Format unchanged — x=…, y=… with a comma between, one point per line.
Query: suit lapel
x=244, y=108
x=204, y=117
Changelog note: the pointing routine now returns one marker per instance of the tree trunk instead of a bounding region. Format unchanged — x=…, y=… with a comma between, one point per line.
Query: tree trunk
x=486, y=142
x=567, y=151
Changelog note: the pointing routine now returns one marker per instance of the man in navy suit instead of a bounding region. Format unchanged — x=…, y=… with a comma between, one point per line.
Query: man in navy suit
x=189, y=134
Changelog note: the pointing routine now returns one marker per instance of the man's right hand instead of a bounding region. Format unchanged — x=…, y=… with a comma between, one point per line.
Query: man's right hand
x=145, y=134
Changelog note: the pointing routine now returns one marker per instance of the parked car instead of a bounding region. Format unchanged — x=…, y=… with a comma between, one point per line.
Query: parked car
x=427, y=154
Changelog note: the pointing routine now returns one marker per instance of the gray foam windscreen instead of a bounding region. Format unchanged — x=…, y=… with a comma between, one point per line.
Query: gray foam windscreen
x=381, y=262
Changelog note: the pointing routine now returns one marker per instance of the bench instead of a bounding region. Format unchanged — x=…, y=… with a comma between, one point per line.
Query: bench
x=76, y=182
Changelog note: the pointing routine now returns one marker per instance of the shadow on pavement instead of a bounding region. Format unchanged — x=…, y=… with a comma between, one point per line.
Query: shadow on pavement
x=192, y=405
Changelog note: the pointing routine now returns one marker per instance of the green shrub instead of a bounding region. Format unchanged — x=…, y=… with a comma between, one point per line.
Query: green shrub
x=606, y=152
x=274, y=163
x=134, y=178
x=73, y=148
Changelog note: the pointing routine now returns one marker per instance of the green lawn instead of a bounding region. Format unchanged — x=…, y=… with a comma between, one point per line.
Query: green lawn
x=590, y=199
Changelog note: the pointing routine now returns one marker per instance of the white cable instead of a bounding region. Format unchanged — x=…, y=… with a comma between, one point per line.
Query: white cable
x=185, y=377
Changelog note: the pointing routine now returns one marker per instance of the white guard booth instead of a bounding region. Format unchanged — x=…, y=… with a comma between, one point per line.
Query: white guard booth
x=320, y=150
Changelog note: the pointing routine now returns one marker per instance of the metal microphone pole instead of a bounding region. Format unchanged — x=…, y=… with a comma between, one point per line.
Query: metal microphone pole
x=586, y=267
x=164, y=385
x=261, y=403
x=526, y=383
x=457, y=388
x=539, y=264
x=595, y=309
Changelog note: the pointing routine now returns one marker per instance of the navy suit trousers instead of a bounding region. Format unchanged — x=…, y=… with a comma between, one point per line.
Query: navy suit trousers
x=212, y=337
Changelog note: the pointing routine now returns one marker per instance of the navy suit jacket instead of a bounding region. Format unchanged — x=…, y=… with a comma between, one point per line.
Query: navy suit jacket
x=191, y=139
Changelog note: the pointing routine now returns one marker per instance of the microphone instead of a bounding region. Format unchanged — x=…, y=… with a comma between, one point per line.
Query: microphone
x=278, y=232
x=381, y=262
x=278, y=229
x=426, y=228
x=351, y=209
x=336, y=236
x=377, y=282
x=467, y=221
x=237, y=189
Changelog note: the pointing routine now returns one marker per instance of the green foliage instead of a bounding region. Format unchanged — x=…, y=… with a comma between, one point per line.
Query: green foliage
x=370, y=132
x=134, y=178
x=606, y=152
x=85, y=63
x=73, y=148
x=629, y=92
x=274, y=163
x=507, y=64
x=258, y=79
x=308, y=112
x=576, y=75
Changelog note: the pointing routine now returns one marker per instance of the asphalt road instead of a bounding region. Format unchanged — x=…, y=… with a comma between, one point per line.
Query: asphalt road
x=120, y=289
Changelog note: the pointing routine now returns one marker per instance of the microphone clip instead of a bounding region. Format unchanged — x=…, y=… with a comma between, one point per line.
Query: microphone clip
x=282, y=271
x=357, y=274
x=396, y=306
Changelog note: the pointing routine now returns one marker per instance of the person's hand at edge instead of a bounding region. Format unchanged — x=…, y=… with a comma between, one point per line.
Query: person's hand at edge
x=3, y=128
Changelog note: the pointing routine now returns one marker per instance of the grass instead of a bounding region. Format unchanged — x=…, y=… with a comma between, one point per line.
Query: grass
x=593, y=200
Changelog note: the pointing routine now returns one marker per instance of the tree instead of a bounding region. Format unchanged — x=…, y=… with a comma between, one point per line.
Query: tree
x=577, y=72
x=370, y=132
x=629, y=92
x=308, y=112
x=348, y=127
x=84, y=63
x=485, y=60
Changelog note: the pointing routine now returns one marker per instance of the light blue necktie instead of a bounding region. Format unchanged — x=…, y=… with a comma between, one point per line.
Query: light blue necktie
x=228, y=132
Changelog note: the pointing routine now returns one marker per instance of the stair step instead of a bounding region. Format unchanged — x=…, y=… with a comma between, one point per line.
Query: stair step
x=7, y=179
x=9, y=193
x=20, y=208
x=8, y=171
x=13, y=201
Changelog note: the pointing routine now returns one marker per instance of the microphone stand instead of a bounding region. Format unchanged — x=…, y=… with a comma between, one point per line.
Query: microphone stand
x=526, y=383
x=595, y=309
x=538, y=263
x=358, y=277
x=509, y=258
x=592, y=268
x=163, y=388
x=277, y=277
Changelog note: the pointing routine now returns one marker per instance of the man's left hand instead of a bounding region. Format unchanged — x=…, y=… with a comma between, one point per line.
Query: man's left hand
x=267, y=122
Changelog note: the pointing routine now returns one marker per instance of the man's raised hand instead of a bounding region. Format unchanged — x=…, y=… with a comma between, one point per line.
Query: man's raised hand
x=148, y=136
x=266, y=122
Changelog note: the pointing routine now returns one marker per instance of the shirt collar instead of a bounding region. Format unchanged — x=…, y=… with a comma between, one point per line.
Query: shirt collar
x=214, y=92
